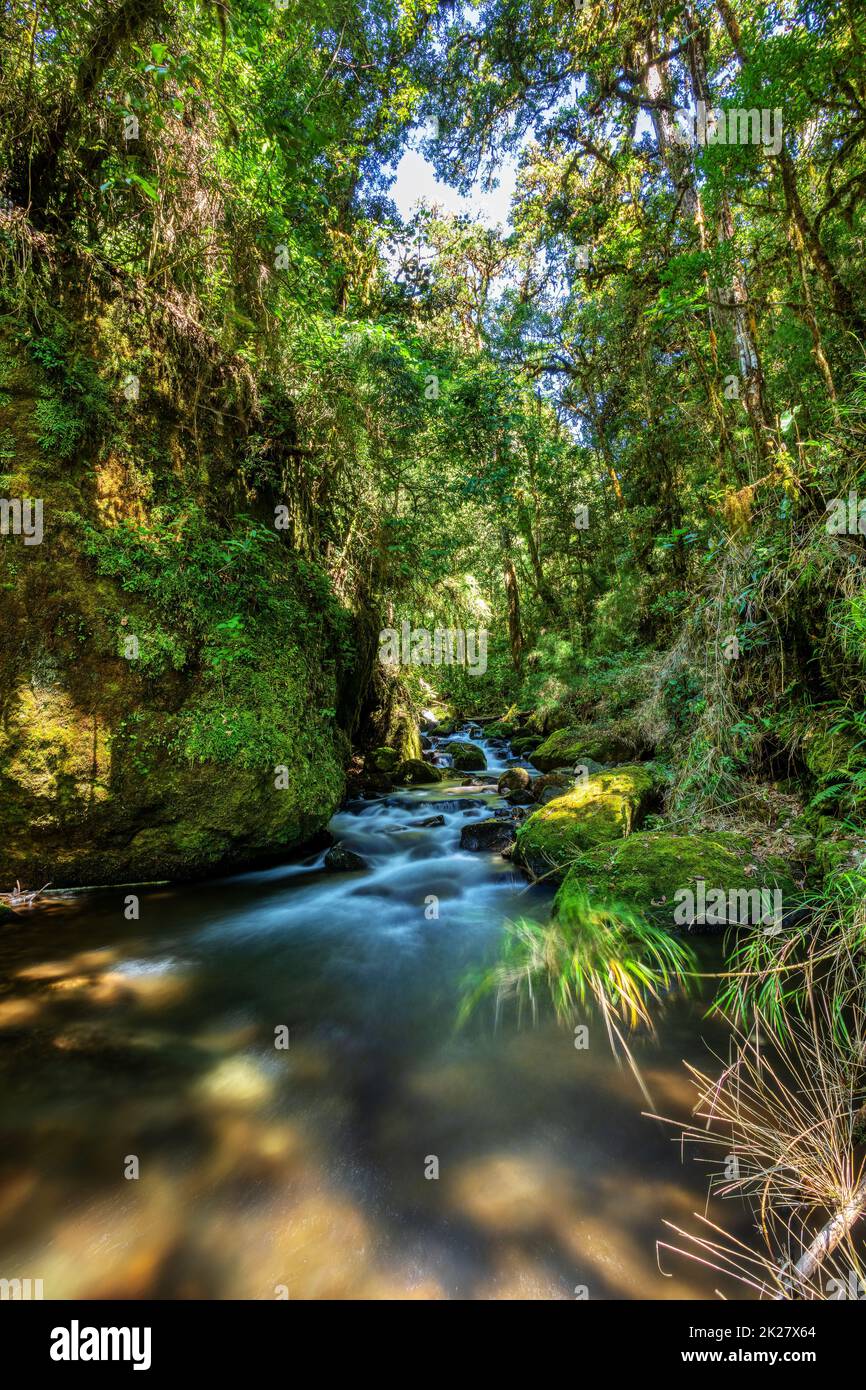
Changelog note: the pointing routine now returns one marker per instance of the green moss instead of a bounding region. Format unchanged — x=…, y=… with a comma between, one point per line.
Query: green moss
x=650, y=867
x=835, y=845
x=407, y=739
x=830, y=753
x=383, y=760
x=213, y=739
x=604, y=807
x=415, y=772
x=526, y=744
x=466, y=757
x=566, y=747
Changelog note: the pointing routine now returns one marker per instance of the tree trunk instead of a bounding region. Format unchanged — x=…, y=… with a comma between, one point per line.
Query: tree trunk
x=512, y=597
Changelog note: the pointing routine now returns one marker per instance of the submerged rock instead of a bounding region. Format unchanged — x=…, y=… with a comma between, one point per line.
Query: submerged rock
x=428, y=823
x=497, y=833
x=654, y=871
x=604, y=807
x=340, y=860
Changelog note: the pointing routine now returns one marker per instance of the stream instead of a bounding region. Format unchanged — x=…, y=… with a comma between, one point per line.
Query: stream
x=158, y=1143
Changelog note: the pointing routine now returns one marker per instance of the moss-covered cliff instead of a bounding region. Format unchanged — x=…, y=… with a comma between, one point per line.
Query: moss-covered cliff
x=177, y=682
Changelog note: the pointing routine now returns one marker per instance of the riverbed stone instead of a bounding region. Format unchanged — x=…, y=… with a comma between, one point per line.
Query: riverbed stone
x=340, y=860
x=514, y=783
x=494, y=834
x=466, y=757
x=385, y=760
x=577, y=744
x=601, y=808
x=649, y=868
x=416, y=772
x=550, y=785
x=526, y=744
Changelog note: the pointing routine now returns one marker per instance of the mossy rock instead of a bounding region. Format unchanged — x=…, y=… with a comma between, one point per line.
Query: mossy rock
x=415, y=772
x=527, y=743
x=603, y=808
x=385, y=760
x=568, y=747
x=406, y=739
x=125, y=761
x=650, y=868
x=831, y=754
x=514, y=782
x=466, y=757
x=499, y=730
x=446, y=728
x=836, y=845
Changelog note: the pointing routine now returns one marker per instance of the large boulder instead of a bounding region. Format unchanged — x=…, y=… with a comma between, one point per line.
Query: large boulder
x=527, y=743
x=601, y=808
x=385, y=760
x=654, y=871
x=572, y=746
x=515, y=783
x=415, y=772
x=466, y=757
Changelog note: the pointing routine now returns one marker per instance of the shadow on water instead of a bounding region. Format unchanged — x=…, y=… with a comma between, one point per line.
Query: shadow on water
x=263, y=1169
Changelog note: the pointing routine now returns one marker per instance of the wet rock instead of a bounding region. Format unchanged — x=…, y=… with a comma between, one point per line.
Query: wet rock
x=603, y=808
x=466, y=757
x=416, y=772
x=430, y=821
x=515, y=784
x=550, y=785
x=340, y=860
x=568, y=747
x=495, y=834
x=457, y=803
x=652, y=868
x=526, y=744
x=385, y=760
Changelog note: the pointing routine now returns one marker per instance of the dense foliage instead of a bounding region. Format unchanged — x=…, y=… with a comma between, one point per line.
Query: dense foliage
x=614, y=433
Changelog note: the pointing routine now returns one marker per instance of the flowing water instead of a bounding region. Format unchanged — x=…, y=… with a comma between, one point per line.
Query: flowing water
x=149, y=1046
